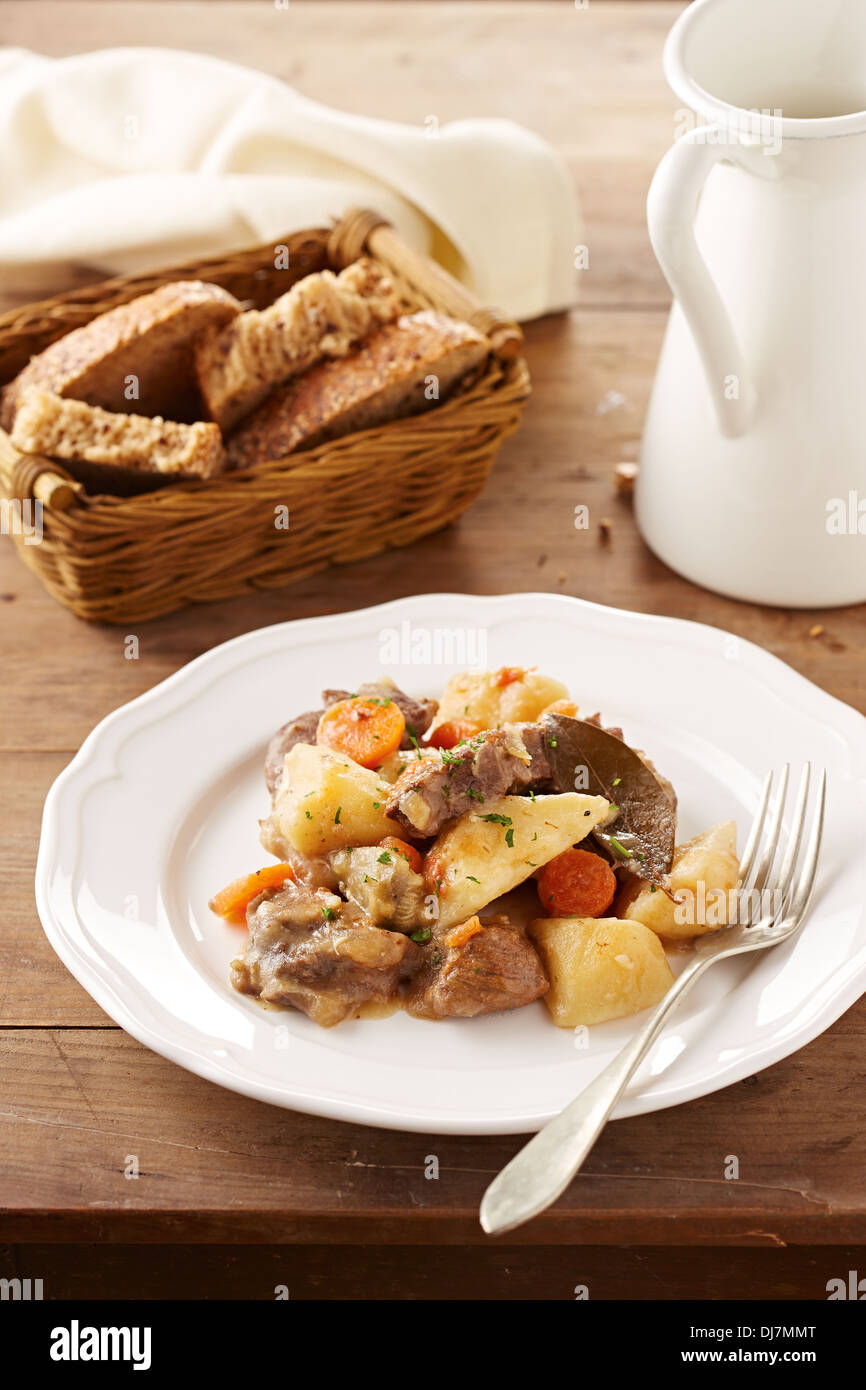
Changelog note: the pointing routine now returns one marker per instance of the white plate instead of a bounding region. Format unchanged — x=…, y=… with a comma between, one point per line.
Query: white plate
x=159, y=809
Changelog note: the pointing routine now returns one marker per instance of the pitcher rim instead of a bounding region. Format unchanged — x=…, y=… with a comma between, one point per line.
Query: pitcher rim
x=718, y=112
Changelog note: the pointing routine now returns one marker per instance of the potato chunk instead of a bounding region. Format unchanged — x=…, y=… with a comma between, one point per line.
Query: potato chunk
x=703, y=874
x=325, y=801
x=490, y=699
x=599, y=968
x=487, y=852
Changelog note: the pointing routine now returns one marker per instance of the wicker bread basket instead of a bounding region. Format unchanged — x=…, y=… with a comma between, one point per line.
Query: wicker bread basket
x=118, y=559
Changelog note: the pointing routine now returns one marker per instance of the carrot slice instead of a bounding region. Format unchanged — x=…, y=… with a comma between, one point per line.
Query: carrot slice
x=463, y=932
x=449, y=733
x=232, y=902
x=366, y=730
x=560, y=707
x=577, y=883
x=408, y=852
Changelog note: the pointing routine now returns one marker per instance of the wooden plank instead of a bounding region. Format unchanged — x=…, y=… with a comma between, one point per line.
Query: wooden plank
x=34, y=986
x=456, y=1273
x=216, y=1167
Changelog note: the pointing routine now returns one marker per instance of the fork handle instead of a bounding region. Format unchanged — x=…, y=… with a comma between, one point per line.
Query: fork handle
x=545, y=1166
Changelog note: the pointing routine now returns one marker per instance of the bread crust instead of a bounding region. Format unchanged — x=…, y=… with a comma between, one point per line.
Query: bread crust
x=404, y=368
x=139, y=354
x=322, y=316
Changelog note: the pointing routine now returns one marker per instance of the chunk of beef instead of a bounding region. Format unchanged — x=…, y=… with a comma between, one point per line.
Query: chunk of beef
x=537, y=771
x=430, y=793
x=491, y=969
x=301, y=729
x=417, y=713
x=383, y=885
x=309, y=950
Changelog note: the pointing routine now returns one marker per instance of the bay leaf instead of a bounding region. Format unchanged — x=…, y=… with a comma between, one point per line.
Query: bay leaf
x=585, y=757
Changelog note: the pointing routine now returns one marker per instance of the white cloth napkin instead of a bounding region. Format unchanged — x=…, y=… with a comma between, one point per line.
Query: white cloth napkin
x=127, y=159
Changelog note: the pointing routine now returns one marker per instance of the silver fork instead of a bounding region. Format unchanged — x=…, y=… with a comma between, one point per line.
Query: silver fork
x=542, y=1170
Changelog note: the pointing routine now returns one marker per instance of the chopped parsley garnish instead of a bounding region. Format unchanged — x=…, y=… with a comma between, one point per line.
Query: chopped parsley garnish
x=337, y=815
x=552, y=743
x=497, y=819
x=620, y=849
x=509, y=838
x=473, y=879
x=384, y=858
x=309, y=815
x=328, y=913
x=421, y=936
x=652, y=888
x=616, y=781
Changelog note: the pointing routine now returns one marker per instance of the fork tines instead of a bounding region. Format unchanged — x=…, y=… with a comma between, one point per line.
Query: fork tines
x=780, y=901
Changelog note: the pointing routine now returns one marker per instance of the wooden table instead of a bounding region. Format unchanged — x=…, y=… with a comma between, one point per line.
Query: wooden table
x=269, y=1193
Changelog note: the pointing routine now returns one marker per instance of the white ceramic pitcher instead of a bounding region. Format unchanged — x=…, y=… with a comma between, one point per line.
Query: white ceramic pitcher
x=753, y=467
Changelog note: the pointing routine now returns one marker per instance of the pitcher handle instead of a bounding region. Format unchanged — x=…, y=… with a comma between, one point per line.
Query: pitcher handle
x=672, y=205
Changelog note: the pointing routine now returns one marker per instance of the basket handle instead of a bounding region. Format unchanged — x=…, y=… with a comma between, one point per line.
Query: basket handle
x=361, y=230
x=29, y=475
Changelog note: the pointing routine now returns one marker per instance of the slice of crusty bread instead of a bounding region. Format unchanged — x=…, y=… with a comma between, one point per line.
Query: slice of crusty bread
x=390, y=376
x=138, y=356
x=322, y=316
x=69, y=429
